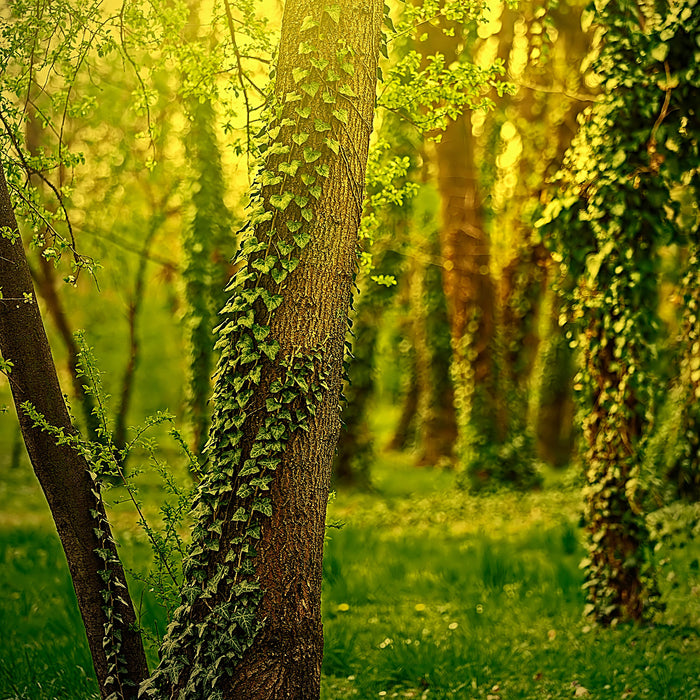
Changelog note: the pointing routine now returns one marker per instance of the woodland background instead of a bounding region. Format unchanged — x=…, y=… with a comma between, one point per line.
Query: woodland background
x=456, y=530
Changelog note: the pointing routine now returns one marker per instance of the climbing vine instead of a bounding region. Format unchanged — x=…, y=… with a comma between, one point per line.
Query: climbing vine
x=264, y=394
x=616, y=206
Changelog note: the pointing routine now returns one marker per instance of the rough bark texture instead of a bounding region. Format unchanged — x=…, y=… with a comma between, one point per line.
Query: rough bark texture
x=285, y=659
x=62, y=473
x=249, y=623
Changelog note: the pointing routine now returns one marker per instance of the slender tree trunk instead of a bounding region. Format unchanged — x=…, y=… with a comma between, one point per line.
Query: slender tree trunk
x=72, y=495
x=249, y=626
x=469, y=290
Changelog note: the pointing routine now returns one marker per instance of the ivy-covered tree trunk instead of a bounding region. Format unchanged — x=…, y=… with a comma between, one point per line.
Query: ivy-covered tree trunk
x=470, y=294
x=71, y=492
x=636, y=145
x=249, y=624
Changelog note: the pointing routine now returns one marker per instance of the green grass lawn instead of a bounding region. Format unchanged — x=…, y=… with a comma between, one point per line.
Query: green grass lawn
x=428, y=593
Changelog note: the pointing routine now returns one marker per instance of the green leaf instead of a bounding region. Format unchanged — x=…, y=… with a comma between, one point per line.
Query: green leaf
x=240, y=515
x=299, y=74
x=348, y=68
x=341, y=115
x=281, y=201
x=321, y=126
x=328, y=97
x=291, y=226
x=278, y=275
x=301, y=201
x=315, y=191
x=308, y=179
x=307, y=214
x=333, y=145
x=323, y=170
x=302, y=239
x=333, y=11
x=292, y=97
x=306, y=47
x=308, y=23
x=311, y=154
x=347, y=91
x=311, y=88
x=303, y=112
x=300, y=138
x=260, y=332
x=332, y=76
x=269, y=178
x=263, y=505
x=289, y=168
x=319, y=63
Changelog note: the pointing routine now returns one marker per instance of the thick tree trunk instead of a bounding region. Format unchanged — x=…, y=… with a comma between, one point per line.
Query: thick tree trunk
x=73, y=496
x=249, y=626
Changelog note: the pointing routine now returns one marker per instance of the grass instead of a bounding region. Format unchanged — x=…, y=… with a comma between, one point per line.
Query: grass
x=428, y=593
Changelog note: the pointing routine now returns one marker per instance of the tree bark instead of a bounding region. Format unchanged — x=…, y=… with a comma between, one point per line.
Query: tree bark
x=255, y=632
x=72, y=495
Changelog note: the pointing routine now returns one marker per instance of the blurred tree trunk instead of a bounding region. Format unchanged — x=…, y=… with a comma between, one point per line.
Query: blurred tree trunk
x=44, y=277
x=72, y=495
x=469, y=291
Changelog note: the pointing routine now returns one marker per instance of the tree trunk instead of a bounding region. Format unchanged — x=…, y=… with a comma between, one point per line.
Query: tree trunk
x=249, y=625
x=73, y=496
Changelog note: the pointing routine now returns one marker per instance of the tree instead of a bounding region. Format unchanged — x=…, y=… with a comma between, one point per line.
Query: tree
x=64, y=474
x=258, y=538
x=637, y=146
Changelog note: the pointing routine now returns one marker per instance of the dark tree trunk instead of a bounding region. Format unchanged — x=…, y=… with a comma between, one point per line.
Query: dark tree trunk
x=63, y=474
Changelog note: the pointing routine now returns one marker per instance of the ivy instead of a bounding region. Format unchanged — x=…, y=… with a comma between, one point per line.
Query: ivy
x=614, y=210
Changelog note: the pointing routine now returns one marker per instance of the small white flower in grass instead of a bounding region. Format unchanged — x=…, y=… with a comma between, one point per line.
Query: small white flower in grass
x=453, y=625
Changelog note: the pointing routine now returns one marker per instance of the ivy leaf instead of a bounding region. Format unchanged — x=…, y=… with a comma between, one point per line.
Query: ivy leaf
x=300, y=138
x=263, y=505
x=341, y=115
x=299, y=74
x=328, y=97
x=292, y=97
x=311, y=88
x=269, y=178
x=308, y=179
x=278, y=275
x=271, y=301
x=321, y=126
x=320, y=63
x=306, y=47
x=323, y=170
x=240, y=516
x=301, y=201
x=332, y=76
x=333, y=145
x=307, y=214
x=347, y=91
x=333, y=11
x=292, y=226
x=302, y=239
x=290, y=265
x=278, y=148
x=261, y=332
x=311, y=154
x=303, y=112
x=308, y=23
x=315, y=191
x=289, y=168
x=281, y=201
x=348, y=68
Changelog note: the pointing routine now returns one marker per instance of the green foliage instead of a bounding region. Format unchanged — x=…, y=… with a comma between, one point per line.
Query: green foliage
x=614, y=210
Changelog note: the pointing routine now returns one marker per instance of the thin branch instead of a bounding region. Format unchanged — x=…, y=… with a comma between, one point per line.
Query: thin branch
x=241, y=74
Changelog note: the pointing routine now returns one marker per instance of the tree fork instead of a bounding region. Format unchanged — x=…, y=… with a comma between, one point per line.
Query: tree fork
x=70, y=491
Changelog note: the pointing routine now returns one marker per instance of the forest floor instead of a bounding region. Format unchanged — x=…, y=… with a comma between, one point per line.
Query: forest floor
x=428, y=593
